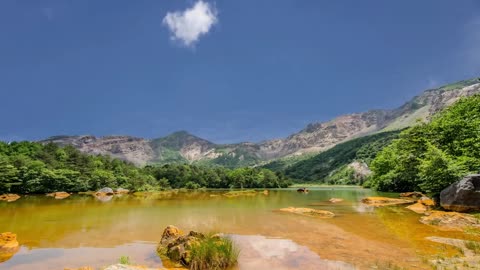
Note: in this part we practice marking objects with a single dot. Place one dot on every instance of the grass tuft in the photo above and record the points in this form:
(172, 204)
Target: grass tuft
(213, 253)
(124, 260)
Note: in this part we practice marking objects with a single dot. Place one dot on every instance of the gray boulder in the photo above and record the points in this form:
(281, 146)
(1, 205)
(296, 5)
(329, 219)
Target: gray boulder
(106, 190)
(462, 196)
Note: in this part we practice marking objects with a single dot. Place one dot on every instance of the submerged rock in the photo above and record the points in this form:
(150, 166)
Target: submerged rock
(59, 195)
(413, 194)
(384, 201)
(265, 192)
(450, 220)
(308, 212)
(9, 197)
(462, 196)
(335, 200)
(8, 246)
(422, 206)
(418, 208)
(122, 191)
(302, 190)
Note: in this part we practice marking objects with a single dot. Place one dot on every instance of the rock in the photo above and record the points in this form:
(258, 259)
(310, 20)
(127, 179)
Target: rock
(418, 208)
(106, 191)
(9, 197)
(59, 195)
(8, 246)
(102, 197)
(335, 200)
(423, 205)
(414, 194)
(309, 212)
(170, 233)
(127, 267)
(177, 246)
(122, 191)
(426, 201)
(265, 192)
(462, 196)
(450, 220)
(384, 201)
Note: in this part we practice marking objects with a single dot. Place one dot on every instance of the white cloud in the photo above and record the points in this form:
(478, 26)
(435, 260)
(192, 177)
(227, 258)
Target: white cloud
(189, 25)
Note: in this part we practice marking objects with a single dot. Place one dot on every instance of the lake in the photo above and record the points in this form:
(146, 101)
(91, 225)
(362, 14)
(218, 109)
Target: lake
(84, 231)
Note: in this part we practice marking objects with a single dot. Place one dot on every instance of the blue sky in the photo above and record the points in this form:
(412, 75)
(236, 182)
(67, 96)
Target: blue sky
(224, 70)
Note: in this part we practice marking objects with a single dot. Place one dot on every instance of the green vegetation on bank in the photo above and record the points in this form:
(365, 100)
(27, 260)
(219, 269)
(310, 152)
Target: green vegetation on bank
(28, 167)
(213, 253)
(429, 157)
(331, 165)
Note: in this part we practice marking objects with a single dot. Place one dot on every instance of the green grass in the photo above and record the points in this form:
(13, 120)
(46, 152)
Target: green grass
(214, 253)
(124, 260)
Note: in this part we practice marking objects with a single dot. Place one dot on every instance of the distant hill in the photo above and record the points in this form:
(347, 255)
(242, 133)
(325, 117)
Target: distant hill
(182, 146)
(322, 167)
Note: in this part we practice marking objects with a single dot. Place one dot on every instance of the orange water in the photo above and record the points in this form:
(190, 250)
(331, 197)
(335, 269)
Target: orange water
(82, 230)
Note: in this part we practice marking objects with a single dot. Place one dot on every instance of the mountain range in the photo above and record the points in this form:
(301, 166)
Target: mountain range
(182, 146)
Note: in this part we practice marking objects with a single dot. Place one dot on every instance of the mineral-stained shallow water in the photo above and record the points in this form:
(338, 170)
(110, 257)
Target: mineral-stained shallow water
(81, 230)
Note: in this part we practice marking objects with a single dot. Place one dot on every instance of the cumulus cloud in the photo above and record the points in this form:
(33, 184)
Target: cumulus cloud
(189, 25)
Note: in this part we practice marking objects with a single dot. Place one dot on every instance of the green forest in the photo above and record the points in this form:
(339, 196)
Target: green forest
(29, 167)
(328, 166)
(430, 156)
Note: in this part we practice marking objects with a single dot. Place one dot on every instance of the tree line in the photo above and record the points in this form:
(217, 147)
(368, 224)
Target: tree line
(430, 156)
(30, 167)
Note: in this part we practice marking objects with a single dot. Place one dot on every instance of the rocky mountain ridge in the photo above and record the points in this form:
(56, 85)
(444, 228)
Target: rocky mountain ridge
(315, 137)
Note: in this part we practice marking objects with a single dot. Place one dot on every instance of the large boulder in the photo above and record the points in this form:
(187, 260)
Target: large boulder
(462, 196)
(8, 245)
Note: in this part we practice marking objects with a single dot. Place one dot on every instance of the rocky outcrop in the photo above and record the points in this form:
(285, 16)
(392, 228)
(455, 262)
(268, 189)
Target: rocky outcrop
(384, 201)
(177, 246)
(59, 195)
(308, 212)
(9, 197)
(462, 196)
(8, 245)
(450, 220)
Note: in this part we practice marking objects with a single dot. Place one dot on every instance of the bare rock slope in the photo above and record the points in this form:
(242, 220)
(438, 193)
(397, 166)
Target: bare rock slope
(184, 147)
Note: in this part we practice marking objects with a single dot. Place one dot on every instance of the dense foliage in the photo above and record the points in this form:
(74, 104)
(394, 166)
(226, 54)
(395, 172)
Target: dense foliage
(191, 176)
(429, 157)
(322, 166)
(27, 167)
